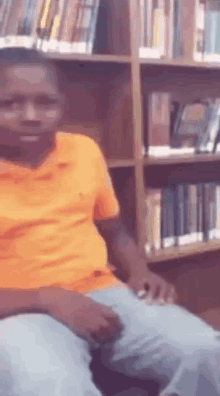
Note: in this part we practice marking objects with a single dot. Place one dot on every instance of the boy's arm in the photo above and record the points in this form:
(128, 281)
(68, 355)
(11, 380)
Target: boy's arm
(19, 301)
(131, 268)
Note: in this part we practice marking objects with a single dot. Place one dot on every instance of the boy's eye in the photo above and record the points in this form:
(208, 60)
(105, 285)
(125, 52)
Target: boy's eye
(45, 101)
(8, 103)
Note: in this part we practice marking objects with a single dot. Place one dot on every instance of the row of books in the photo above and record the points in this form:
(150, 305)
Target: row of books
(175, 128)
(49, 25)
(180, 215)
(164, 25)
(207, 31)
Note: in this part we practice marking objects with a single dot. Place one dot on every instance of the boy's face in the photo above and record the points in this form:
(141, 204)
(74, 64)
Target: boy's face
(30, 104)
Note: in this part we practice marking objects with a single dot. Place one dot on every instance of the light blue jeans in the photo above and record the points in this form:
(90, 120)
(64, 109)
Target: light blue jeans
(41, 357)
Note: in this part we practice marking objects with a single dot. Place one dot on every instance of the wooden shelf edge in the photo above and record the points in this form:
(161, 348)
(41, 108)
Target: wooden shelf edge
(120, 163)
(180, 63)
(89, 58)
(184, 251)
(180, 159)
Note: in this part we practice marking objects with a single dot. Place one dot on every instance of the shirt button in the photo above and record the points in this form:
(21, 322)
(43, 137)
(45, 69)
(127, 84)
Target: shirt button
(97, 273)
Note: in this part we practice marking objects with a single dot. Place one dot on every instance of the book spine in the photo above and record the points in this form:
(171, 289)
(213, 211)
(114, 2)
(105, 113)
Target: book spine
(206, 210)
(212, 211)
(189, 214)
(158, 36)
(200, 31)
(217, 200)
(177, 28)
(142, 22)
(167, 218)
(179, 215)
(156, 218)
(193, 212)
(169, 28)
(159, 124)
(148, 224)
(199, 227)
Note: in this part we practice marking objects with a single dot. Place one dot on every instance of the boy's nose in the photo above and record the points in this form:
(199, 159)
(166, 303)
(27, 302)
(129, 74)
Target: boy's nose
(30, 112)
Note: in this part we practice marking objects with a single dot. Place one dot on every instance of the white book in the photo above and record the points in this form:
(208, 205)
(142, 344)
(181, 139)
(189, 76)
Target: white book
(217, 194)
(200, 26)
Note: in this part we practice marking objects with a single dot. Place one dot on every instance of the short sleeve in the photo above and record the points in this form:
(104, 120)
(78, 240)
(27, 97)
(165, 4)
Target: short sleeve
(106, 205)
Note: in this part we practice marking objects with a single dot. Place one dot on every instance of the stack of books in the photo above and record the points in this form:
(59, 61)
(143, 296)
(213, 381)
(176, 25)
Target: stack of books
(66, 26)
(164, 25)
(180, 215)
(177, 129)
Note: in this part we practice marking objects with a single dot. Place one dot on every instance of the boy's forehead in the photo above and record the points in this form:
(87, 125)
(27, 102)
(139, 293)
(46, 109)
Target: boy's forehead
(34, 74)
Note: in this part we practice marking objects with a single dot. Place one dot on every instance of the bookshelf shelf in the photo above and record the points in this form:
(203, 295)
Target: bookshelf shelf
(184, 251)
(120, 163)
(179, 63)
(89, 58)
(184, 159)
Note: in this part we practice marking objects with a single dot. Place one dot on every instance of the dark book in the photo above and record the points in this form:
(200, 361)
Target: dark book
(179, 216)
(167, 218)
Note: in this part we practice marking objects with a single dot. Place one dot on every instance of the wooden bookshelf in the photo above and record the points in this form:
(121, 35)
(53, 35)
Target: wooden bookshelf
(89, 58)
(184, 251)
(181, 159)
(106, 91)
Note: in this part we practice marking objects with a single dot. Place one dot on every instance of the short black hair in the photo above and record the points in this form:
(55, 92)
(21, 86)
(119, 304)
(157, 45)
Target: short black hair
(25, 56)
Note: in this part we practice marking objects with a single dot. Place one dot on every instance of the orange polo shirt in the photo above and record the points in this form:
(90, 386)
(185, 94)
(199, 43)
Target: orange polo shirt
(47, 231)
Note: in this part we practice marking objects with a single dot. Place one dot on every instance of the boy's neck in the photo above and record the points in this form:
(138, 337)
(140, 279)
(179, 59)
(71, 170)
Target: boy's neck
(32, 157)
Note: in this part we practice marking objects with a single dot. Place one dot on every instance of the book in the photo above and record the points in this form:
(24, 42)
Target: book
(179, 218)
(177, 26)
(217, 200)
(191, 127)
(78, 30)
(159, 27)
(206, 211)
(153, 28)
(212, 211)
(212, 20)
(156, 201)
(169, 31)
(200, 31)
(167, 218)
(153, 220)
(207, 139)
(148, 224)
(199, 228)
(190, 214)
(50, 25)
(158, 124)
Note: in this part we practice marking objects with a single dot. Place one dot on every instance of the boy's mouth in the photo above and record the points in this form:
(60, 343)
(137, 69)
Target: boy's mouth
(33, 138)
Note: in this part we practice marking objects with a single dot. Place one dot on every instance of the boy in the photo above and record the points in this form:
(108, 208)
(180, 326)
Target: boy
(58, 300)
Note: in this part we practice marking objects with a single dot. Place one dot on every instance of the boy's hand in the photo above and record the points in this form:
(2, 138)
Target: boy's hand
(82, 315)
(152, 288)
